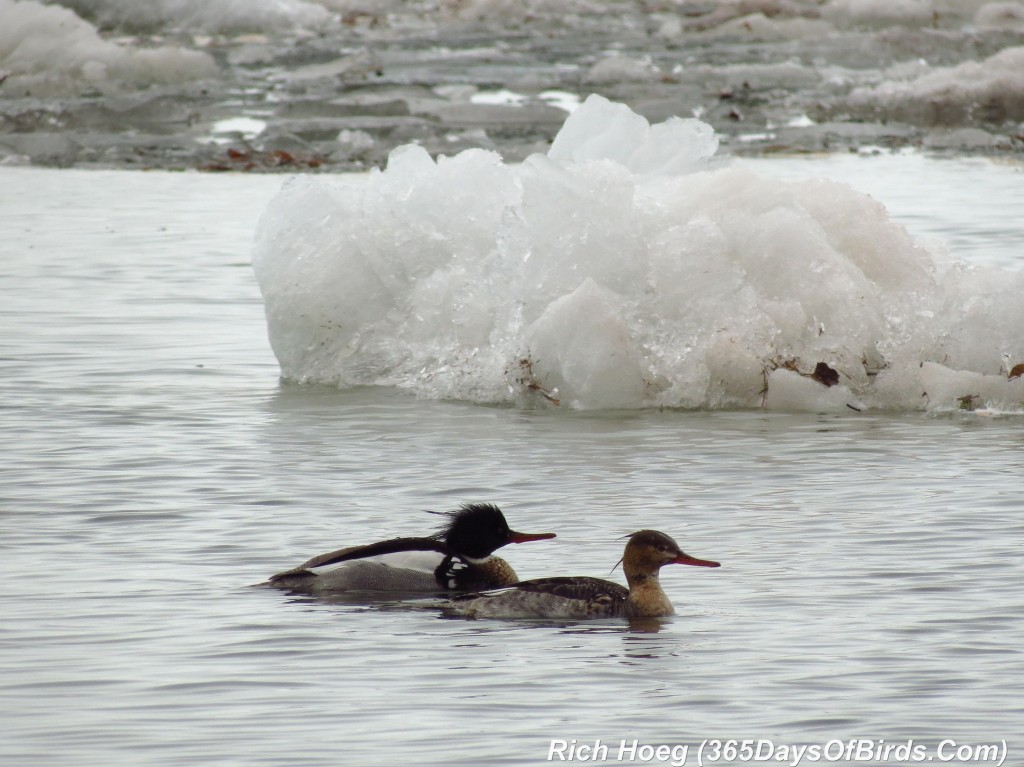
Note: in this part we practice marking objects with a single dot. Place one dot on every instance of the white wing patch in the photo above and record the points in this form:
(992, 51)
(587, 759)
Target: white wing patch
(454, 569)
(498, 592)
(420, 561)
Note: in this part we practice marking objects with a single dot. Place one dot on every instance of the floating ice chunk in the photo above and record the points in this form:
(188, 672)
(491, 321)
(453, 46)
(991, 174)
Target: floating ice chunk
(493, 10)
(502, 96)
(599, 130)
(623, 271)
(355, 140)
(352, 67)
(1000, 16)
(878, 13)
(162, 66)
(596, 201)
(564, 100)
(991, 91)
(581, 345)
(757, 26)
(520, 12)
(755, 18)
(348, 272)
(788, 390)
(603, 130)
(986, 318)
(212, 16)
(318, 307)
(48, 50)
(670, 26)
(246, 127)
(622, 69)
(947, 389)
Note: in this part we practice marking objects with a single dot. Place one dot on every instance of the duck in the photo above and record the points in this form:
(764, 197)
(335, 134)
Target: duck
(584, 597)
(458, 558)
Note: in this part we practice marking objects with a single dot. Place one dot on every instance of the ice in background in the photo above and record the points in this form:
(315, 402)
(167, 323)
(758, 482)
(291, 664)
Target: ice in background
(208, 16)
(627, 268)
(338, 84)
(48, 50)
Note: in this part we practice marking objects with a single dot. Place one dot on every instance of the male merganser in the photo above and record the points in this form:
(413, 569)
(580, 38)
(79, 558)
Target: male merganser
(458, 558)
(584, 597)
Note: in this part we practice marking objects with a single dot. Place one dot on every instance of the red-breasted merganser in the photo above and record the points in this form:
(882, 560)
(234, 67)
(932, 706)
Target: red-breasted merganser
(458, 558)
(584, 597)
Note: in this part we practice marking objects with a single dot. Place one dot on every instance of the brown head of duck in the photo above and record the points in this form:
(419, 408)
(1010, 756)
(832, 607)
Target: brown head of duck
(647, 551)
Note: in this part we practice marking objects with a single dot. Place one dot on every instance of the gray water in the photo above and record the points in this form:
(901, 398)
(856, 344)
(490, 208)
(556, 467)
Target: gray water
(153, 467)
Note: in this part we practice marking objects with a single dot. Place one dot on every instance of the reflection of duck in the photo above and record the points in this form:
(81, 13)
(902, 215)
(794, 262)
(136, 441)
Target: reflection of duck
(459, 558)
(583, 597)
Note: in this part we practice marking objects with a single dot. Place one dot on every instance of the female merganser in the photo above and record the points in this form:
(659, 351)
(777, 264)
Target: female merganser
(458, 558)
(584, 597)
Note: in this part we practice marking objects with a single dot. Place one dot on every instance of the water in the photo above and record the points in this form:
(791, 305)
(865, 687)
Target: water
(154, 467)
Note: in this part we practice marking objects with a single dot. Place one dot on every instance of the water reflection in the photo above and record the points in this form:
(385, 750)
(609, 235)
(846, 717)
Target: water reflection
(646, 625)
(389, 601)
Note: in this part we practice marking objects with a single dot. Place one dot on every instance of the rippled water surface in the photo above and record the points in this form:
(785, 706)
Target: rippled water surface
(154, 467)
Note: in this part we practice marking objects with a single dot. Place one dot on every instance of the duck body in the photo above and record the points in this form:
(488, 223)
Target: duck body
(584, 597)
(459, 558)
(575, 597)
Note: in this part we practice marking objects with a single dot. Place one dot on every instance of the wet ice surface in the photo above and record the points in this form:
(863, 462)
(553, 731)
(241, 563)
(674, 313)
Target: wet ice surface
(338, 84)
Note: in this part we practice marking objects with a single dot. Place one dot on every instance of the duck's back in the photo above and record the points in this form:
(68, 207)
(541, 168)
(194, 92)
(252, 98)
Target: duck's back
(558, 597)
